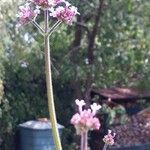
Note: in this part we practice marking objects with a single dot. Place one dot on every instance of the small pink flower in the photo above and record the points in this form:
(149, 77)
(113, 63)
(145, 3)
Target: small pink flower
(95, 107)
(26, 14)
(85, 120)
(93, 123)
(46, 3)
(65, 14)
(109, 138)
(96, 123)
(80, 104)
(75, 119)
(85, 115)
(58, 1)
(41, 3)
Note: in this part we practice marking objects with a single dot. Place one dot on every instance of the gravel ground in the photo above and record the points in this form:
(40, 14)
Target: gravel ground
(135, 132)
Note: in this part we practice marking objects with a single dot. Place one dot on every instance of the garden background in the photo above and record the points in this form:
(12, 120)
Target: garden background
(108, 46)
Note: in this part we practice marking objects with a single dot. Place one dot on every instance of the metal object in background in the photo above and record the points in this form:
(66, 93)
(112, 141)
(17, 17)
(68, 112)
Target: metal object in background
(37, 135)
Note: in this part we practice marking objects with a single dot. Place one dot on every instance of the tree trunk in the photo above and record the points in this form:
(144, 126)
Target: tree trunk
(90, 50)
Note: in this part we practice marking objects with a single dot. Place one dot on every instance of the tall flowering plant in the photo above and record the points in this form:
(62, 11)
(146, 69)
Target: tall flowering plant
(85, 120)
(61, 11)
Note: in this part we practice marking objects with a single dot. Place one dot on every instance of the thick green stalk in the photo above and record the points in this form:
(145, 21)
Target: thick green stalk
(84, 140)
(105, 147)
(51, 105)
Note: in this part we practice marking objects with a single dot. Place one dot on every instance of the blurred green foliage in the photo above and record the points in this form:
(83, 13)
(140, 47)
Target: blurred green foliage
(121, 58)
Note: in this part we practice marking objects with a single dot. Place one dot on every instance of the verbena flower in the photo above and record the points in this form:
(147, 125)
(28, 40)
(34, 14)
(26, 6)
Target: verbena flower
(109, 138)
(26, 14)
(58, 1)
(85, 120)
(46, 3)
(64, 13)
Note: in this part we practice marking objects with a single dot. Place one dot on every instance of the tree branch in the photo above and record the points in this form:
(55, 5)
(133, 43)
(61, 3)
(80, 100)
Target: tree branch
(90, 49)
(83, 26)
(93, 34)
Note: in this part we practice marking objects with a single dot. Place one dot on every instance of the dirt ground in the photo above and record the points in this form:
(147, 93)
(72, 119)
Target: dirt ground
(135, 132)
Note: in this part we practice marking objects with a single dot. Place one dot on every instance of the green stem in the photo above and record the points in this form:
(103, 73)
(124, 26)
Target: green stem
(84, 140)
(37, 26)
(105, 147)
(51, 105)
(52, 29)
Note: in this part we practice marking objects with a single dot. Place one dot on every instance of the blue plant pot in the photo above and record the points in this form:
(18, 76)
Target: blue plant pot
(37, 135)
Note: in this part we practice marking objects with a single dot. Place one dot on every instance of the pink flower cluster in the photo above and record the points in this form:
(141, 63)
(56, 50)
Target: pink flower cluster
(46, 3)
(26, 13)
(109, 138)
(65, 14)
(85, 120)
